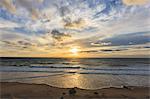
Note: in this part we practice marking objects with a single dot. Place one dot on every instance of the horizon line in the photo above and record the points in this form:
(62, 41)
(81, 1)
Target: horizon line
(77, 57)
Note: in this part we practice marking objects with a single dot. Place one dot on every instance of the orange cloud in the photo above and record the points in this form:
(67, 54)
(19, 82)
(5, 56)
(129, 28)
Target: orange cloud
(135, 2)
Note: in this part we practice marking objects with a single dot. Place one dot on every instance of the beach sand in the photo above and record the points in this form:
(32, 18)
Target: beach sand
(14, 90)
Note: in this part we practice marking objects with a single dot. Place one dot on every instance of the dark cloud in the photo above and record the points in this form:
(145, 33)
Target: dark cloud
(25, 47)
(137, 38)
(103, 50)
(64, 10)
(8, 42)
(113, 50)
(59, 36)
(18, 44)
(76, 24)
(127, 39)
(141, 47)
(25, 43)
(90, 51)
(67, 20)
(146, 47)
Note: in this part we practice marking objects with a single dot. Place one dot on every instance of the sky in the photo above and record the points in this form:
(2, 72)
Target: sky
(74, 28)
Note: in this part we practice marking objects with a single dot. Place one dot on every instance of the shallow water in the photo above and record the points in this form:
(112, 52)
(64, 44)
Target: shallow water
(83, 73)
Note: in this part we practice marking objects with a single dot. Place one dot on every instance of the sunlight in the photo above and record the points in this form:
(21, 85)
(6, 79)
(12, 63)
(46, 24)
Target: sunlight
(74, 50)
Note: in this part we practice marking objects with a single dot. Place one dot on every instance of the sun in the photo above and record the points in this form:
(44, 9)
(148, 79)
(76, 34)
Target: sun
(74, 50)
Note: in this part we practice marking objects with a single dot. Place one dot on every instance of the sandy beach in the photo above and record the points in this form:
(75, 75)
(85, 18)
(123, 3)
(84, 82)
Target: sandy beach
(14, 90)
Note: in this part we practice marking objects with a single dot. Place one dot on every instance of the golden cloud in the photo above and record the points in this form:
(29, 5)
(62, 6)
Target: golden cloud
(135, 2)
(8, 5)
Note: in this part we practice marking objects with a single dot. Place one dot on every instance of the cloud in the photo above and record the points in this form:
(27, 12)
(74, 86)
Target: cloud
(4, 35)
(113, 50)
(8, 5)
(142, 47)
(101, 44)
(30, 6)
(78, 24)
(59, 37)
(91, 24)
(135, 2)
(13, 40)
(89, 51)
(8, 42)
(103, 50)
(126, 39)
(26, 43)
(34, 14)
(16, 41)
(8, 24)
(146, 47)
(64, 10)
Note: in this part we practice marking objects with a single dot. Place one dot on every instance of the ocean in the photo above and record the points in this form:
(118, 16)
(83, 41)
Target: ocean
(85, 73)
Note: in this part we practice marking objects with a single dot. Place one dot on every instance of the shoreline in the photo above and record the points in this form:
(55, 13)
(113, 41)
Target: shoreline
(15, 90)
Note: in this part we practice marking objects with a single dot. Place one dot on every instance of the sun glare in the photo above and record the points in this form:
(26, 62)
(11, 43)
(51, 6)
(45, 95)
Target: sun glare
(74, 50)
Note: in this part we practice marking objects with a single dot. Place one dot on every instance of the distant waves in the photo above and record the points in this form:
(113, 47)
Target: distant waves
(77, 69)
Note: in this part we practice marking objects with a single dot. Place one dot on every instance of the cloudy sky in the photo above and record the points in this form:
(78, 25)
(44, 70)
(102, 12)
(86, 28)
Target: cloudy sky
(75, 28)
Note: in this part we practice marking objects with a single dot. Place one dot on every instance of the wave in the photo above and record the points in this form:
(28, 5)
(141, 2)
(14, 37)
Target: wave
(142, 73)
(88, 68)
(79, 69)
(60, 67)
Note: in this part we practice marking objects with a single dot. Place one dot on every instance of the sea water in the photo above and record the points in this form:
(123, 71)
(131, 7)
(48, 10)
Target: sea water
(85, 73)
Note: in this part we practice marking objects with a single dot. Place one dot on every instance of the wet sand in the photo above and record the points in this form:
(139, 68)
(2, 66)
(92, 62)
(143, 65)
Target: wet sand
(14, 90)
